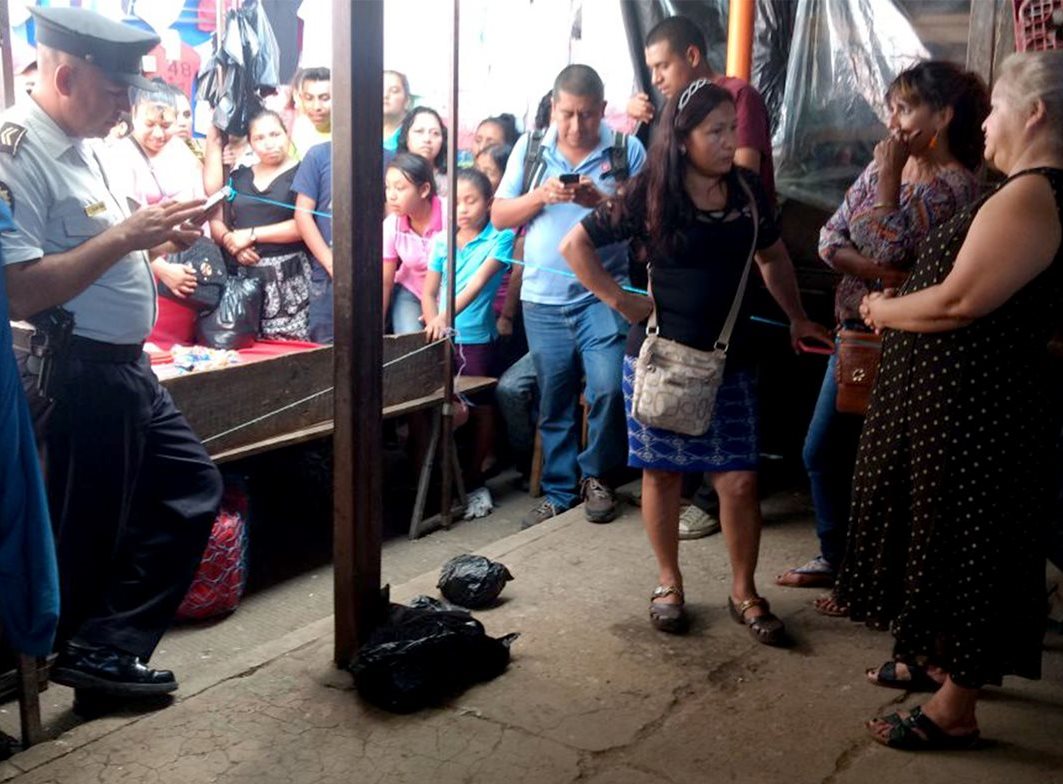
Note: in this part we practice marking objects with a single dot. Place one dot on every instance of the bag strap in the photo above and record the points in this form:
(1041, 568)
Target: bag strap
(736, 306)
(533, 159)
(618, 157)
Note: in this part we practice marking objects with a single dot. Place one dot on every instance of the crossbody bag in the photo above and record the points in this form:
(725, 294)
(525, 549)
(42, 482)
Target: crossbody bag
(675, 385)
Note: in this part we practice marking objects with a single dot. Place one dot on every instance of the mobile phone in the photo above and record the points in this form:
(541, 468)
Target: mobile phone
(569, 179)
(212, 203)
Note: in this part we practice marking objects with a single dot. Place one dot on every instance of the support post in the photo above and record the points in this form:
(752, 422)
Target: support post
(448, 462)
(740, 38)
(357, 73)
(6, 57)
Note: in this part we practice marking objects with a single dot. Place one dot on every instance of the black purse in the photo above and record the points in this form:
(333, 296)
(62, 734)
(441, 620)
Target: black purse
(205, 259)
(234, 324)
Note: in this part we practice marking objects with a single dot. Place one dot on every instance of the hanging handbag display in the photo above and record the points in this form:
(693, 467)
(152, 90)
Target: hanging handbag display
(859, 354)
(675, 385)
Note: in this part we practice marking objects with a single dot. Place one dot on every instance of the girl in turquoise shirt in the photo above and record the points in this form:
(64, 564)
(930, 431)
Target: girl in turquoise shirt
(478, 273)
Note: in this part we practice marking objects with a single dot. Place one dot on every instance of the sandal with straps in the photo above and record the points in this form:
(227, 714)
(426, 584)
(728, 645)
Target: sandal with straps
(917, 732)
(765, 628)
(669, 618)
(918, 677)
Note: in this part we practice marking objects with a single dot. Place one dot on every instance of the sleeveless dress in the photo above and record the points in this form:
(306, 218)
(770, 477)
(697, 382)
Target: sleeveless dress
(954, 482)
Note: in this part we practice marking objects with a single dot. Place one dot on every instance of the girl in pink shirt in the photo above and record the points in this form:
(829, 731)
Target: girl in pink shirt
(416, 216)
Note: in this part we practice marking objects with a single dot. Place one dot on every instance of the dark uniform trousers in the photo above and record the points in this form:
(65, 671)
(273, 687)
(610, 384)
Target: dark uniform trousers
(133, 496)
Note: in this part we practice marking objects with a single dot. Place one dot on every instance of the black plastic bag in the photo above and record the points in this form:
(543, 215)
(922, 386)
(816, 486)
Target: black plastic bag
(234, 323)
(472, 580)
(424, 602)
(421, 657)
(206, 261)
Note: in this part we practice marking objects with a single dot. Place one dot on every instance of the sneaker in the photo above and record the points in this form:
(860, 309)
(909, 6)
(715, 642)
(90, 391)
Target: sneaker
(695, 523)
(478, 503)
(599, 502)
(544, 511)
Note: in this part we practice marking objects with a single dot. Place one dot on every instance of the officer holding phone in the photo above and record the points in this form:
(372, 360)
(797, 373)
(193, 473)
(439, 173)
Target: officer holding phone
(132, 492)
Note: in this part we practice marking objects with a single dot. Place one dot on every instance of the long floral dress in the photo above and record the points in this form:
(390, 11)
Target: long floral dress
(954, 479)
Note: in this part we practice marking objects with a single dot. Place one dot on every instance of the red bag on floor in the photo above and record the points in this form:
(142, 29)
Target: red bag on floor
(222, 574)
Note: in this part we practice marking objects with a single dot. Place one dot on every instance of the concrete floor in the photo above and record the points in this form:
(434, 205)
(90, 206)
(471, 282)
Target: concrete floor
(593, 694)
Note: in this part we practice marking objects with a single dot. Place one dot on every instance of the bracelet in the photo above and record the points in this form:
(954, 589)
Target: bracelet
(504, 316)
(885, 205)
(252, 234)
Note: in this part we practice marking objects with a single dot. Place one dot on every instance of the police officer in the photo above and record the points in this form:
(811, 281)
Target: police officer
(133, 493)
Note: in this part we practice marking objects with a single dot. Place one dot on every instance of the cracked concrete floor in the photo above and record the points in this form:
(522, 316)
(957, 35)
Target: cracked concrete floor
(593, 694)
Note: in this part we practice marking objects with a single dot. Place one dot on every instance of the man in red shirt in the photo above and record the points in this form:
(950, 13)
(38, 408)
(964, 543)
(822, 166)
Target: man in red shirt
(675, 55)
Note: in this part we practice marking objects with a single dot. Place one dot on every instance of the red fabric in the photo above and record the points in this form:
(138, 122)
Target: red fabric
(180, 73)
(176, 324)
(754, 130)
(219, 582)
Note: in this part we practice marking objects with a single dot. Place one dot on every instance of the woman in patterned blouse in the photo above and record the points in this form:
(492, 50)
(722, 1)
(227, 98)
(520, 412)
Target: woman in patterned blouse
(921, 175)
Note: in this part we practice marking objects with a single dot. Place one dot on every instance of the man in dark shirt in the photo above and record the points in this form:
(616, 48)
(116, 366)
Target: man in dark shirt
(675, 55)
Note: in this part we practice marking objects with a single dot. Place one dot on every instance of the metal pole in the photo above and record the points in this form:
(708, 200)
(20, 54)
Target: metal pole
(357, 74)
(6, 57)
(448, 467)
(740, 38)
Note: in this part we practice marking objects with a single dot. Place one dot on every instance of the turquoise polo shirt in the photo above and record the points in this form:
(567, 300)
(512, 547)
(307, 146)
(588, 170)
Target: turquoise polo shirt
(475, 324)
(547, 279)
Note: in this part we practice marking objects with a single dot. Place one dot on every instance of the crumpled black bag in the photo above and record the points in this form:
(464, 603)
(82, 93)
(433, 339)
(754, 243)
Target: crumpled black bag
(421, 657)
(472, 580)
(424, 602)
(235, 322)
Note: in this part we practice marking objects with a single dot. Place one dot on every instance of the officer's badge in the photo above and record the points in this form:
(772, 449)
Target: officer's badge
(11, 136)
(7, 196)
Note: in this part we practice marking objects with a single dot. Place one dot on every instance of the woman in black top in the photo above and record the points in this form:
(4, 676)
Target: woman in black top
(261, 234)
(691, 213)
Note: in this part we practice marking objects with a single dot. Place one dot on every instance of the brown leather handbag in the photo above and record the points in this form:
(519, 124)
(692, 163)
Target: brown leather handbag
(859, 354)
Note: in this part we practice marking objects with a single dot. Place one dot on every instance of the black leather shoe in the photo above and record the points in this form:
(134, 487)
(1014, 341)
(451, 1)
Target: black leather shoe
(109, 671)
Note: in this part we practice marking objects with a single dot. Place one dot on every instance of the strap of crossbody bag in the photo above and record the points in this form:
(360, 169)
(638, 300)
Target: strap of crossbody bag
(732, 317)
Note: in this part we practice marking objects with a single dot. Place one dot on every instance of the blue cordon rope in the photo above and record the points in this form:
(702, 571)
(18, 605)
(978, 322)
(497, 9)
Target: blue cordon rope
(508, 262)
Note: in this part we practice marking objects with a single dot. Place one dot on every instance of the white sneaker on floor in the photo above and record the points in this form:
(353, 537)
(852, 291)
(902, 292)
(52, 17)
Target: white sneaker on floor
(478, 503)
(694, 523)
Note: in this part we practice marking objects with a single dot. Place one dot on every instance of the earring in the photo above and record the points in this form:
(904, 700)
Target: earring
(933, 144)
(682, 150)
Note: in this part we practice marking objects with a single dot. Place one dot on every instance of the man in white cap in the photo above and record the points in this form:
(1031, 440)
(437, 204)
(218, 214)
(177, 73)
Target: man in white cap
(132, 492)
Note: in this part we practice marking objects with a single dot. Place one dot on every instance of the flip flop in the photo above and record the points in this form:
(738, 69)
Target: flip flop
(917, 732)
(817, 573)
(918, 678)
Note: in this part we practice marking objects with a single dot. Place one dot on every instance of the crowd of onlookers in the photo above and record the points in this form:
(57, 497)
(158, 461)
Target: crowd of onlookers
(933, 506)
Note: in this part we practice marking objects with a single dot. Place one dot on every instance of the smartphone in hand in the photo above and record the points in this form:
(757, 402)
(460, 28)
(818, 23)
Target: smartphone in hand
(212, 204)
(569, 179)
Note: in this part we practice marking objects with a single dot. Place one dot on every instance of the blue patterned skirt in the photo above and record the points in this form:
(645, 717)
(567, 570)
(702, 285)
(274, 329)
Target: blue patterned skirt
(731, 443)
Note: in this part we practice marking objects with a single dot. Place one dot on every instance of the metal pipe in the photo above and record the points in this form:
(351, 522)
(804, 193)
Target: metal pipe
(6, 57)
(740, 38)
(447, 435)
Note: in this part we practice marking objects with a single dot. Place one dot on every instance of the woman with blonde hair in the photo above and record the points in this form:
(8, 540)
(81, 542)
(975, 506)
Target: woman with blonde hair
(954, 481)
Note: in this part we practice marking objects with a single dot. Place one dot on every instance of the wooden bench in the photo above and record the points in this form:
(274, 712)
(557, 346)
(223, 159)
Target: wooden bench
(26, 682)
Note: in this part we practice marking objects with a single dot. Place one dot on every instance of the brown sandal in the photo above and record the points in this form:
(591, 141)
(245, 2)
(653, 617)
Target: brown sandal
(669, 618)
(764, 628)
(828, 605)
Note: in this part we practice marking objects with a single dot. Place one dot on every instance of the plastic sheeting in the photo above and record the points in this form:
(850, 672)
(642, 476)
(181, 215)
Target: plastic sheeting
(843, 56)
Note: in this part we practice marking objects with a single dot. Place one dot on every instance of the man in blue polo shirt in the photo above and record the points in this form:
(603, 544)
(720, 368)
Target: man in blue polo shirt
(572, 336)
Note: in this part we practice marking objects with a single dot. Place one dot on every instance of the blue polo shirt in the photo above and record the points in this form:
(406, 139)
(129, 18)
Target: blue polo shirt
(476, 324)
(547, 280)
(314, 180)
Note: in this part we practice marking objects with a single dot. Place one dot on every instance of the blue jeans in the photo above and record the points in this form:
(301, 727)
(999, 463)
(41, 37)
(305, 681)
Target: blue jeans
(570, 343)
(404, 313)
(516, 393)
(830, 457)
(321, 330)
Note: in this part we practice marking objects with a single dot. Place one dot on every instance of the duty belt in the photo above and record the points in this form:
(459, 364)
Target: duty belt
(89, 350)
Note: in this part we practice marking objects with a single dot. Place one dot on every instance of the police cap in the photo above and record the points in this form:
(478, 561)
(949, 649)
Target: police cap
(114, 47)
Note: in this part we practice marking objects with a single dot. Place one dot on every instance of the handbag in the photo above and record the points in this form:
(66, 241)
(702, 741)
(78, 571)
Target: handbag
(675, 385)
(206, 261)
(859, 354)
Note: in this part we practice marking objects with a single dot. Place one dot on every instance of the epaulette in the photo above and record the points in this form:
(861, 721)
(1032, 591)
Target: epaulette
(11, 135)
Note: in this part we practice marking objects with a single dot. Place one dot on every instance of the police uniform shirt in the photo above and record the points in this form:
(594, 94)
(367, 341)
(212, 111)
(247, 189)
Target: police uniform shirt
(59, 198)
